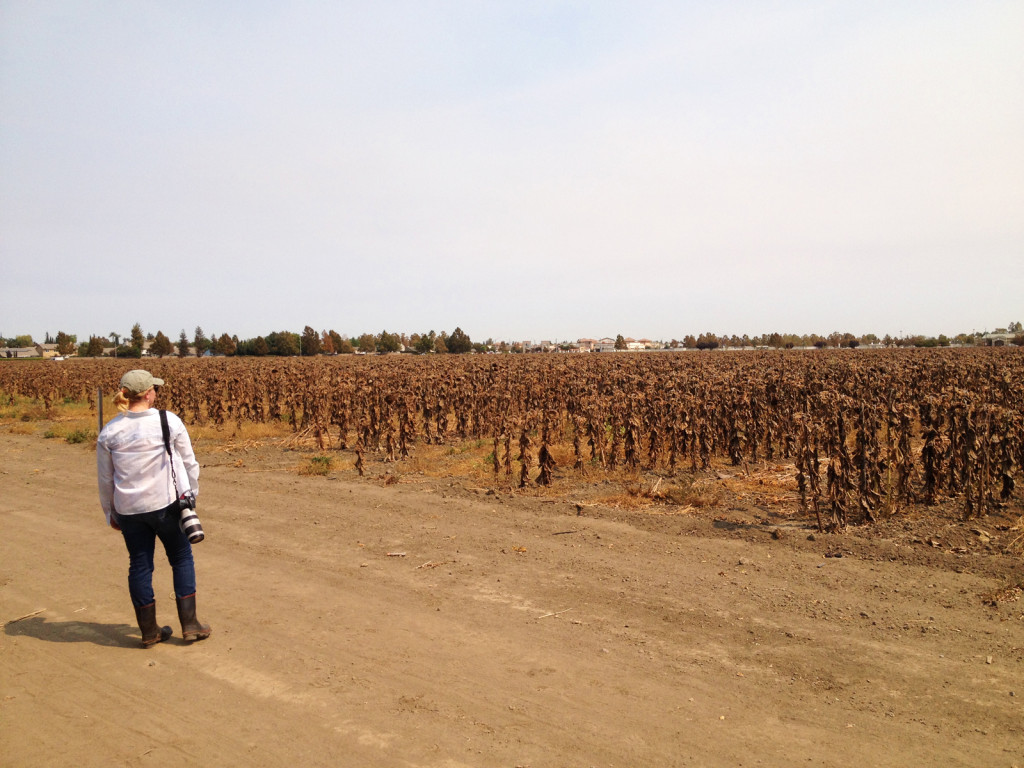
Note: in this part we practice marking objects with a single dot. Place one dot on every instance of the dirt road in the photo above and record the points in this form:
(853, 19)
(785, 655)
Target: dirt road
(419, 624)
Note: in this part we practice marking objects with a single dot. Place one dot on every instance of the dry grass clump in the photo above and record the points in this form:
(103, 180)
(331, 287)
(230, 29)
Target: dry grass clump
(33, 413)
(471, 460)
(697, 494)
(70, 434)
(67, 420)
(685, 493)
(772, 484)
(319, 465)
(251, 435)
(1017, 544)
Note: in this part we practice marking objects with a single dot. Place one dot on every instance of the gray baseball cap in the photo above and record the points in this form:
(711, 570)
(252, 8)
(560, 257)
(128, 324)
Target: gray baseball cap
(138, 381)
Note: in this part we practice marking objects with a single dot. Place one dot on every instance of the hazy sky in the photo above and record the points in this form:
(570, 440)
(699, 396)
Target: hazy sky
(521, 169)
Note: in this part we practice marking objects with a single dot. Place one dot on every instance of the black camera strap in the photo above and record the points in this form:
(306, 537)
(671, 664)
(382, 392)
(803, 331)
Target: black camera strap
(166, 429)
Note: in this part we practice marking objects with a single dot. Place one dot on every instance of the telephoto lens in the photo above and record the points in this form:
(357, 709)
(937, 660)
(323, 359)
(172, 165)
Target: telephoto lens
(191, 526)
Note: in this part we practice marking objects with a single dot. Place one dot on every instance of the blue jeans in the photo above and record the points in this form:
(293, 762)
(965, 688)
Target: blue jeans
(140, 533)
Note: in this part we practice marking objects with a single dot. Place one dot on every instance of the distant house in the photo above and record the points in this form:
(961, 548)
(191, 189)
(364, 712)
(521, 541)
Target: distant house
(586, 345)
(998, 339)
(13, 352)
(46, 351)
(540, 346)
(635, 345)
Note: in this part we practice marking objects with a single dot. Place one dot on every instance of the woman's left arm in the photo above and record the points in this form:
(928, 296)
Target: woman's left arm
(183, 447)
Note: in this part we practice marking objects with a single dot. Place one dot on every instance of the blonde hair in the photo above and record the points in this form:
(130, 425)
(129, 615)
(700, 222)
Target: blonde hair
(124, 402)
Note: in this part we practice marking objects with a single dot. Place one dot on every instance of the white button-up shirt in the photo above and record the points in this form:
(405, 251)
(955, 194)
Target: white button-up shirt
(133, 467)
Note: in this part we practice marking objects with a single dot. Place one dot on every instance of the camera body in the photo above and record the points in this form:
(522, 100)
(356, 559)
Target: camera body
(190, 524)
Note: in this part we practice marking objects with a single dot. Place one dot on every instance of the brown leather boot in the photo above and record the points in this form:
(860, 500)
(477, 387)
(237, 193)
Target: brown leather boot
(191, 629)
(152, 633)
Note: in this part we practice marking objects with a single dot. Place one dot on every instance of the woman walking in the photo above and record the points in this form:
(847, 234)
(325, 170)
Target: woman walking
(137, 492)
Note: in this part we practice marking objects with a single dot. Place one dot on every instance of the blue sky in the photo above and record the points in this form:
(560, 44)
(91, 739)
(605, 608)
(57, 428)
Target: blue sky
(518, 169)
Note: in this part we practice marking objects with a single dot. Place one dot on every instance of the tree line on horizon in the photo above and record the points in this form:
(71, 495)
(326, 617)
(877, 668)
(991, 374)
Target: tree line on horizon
(329, 342)
(837, 340)
(279, 343)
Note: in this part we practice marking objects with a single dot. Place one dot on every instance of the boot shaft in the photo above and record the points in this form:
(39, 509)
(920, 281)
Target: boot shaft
(191, 628)
(151, 631)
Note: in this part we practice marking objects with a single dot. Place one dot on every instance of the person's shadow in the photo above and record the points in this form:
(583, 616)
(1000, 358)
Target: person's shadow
(117, 635)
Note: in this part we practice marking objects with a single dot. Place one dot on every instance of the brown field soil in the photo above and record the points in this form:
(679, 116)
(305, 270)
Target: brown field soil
(417, 620)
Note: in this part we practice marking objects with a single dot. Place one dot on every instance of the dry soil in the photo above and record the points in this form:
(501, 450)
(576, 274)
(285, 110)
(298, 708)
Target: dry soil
(422, 623)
